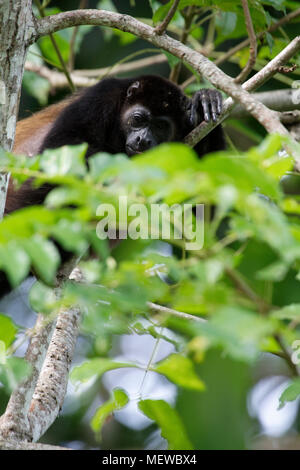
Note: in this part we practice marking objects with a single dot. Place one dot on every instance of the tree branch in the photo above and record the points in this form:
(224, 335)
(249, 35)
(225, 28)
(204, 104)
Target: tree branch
(56, 48)
(14, 423)
(51, 386)
(15, 445)
(201, 64)
(278, 100)
(59, 80)
(85, 78)
(286, 19)
(253, 45)
(52, 383)
(225, 56)
(160, 29)
(22, 420)
(254, 82)
(176, 313)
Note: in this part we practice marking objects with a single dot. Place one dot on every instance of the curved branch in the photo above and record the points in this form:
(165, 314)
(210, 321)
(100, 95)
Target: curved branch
(269, 119)
(254, 82)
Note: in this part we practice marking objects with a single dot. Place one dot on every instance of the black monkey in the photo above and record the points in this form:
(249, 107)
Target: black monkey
(133, 115)
(116, 115)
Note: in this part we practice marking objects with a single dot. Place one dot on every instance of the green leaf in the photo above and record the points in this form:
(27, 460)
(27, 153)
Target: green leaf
(240, 172)
(8, 330)
(226, 21)
(291, 393)
(170, 158)
(69, 159)
(42, 298)
(289, 312)
(118, 400)
(238, 331)
(37, 86)
(180, 370)
(15, 262)
(70, 235)
(172, 60)
(44, 256)
(169, 422)
(62, 39)
(95, 368)
(14, 371)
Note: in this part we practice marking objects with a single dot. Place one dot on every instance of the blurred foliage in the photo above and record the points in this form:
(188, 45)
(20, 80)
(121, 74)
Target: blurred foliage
(242, 284)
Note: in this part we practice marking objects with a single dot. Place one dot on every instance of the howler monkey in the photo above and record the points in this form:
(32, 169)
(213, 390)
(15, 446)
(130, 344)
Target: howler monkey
(116, 115)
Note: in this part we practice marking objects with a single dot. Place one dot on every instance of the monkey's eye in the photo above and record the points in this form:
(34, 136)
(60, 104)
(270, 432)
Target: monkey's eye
(137, 120)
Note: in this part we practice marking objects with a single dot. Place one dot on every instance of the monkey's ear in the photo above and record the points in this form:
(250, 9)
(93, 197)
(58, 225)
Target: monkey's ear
(133, 88)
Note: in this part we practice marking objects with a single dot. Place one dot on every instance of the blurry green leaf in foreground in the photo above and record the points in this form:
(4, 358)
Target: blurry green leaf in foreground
(291, 393)
(69, 159)
(118, 400)
(180, 370)
(238, 331)
(94, 368)
(289, 312)
(14, 371)
(8, 330)
(42, 298)
(168, 421)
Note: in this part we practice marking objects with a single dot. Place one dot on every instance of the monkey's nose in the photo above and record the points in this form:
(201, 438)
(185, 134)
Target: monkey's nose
(144, 143)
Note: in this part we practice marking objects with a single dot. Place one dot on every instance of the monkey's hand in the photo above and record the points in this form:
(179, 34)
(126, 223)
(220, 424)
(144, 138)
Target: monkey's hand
(206, 105)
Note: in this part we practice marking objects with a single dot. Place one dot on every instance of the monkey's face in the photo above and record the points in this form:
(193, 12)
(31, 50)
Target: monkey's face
(143, 130)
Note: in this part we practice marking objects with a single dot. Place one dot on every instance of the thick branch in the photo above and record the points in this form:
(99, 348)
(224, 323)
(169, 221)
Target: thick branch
(15, 445)
(278, 100)
(58, 79)
(18, 423)
(254, 82)
(52, 383)
(14, 423)
(201, 64)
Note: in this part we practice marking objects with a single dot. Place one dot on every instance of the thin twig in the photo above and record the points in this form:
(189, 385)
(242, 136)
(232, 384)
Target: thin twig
(253, 44)
(82, 4)
(56, 48)
(287, 354)
(291, 16)
(176, 313)
(160, 29)
(188, 19)
(244, 287)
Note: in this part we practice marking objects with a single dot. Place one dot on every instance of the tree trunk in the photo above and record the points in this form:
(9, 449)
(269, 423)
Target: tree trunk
(16, 22)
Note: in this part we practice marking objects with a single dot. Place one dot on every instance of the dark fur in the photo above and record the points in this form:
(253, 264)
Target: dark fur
(94, 116)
